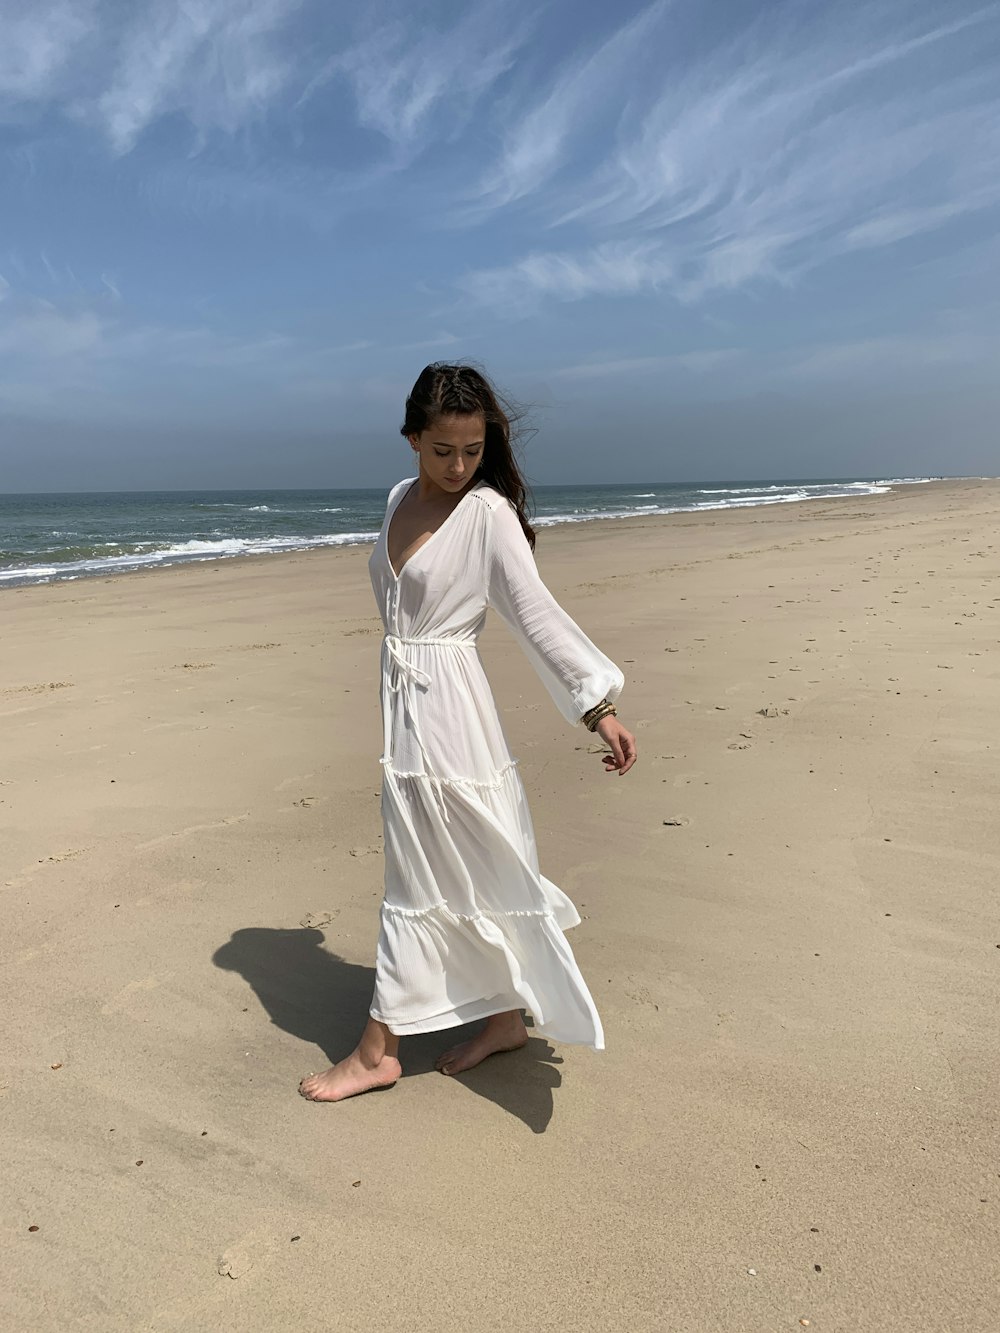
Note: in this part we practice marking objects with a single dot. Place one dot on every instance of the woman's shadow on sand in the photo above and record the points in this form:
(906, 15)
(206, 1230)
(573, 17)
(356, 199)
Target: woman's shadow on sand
(322, 999)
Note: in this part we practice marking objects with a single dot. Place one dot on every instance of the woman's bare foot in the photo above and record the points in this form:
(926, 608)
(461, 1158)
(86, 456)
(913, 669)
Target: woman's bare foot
(503, 1032)
(350, 1077)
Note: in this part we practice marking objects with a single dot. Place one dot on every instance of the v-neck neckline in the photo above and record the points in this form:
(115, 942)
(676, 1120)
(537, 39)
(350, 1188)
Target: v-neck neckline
(388, 558)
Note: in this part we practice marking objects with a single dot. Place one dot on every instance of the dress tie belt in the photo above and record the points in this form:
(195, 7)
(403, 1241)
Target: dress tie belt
(400, 678)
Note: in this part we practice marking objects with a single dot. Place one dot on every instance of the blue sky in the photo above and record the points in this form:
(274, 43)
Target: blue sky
(733, 239)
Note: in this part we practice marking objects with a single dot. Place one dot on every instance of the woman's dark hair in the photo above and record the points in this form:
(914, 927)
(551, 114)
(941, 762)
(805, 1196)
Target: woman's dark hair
(444, 390)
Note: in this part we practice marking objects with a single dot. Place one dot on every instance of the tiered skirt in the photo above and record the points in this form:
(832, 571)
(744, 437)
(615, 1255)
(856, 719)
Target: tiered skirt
(469, 927)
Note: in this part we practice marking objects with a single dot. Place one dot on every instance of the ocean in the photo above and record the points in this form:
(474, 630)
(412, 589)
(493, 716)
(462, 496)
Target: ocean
(49, 538)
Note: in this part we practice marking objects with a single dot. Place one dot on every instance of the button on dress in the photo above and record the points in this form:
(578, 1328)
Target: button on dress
(468, 924)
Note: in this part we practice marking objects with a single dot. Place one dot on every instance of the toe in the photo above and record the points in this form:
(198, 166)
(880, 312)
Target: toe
(457, 1064)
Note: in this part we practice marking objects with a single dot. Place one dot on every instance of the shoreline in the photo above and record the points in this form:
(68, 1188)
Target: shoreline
(630, 523)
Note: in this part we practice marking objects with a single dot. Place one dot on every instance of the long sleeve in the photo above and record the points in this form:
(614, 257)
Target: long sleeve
(574, 671)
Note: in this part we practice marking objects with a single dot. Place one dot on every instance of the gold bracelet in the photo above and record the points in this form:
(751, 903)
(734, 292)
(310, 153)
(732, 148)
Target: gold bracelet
(591, 711)
(604, 703)
(609, 710)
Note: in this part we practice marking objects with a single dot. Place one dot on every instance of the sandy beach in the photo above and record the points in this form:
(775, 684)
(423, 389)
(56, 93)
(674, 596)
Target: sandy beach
(790, 929)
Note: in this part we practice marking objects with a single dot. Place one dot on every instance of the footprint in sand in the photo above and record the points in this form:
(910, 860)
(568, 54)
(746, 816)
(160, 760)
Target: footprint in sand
(234, 1263)
(316, 920)
(291, 781)
(128, 993)
(192, 828)
(680, 993)
(641, 994)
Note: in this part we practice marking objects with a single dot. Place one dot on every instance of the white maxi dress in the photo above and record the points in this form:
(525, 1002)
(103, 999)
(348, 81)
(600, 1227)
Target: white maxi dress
(468, 925)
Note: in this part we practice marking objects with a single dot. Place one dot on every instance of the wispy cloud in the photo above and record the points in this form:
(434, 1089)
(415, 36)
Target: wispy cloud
(216, 61)
(37, 48)
(406, 73)
(611, 269)
(440, 340)
(760, 158)
(537, 143)
(396, 169)
(899, 354)
(690, 363)
(219, 63)
(40, 332)
(90, 350)
(223, 65)
(88, 347)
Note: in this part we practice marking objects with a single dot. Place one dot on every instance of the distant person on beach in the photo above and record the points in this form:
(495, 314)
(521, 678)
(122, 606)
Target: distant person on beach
(470, 929)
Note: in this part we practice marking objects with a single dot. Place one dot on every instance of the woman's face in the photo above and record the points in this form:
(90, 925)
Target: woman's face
(450, 450)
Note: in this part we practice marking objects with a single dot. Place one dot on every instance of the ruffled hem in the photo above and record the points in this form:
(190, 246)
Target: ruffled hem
(483, 784)
(469, 916)
(438, 968)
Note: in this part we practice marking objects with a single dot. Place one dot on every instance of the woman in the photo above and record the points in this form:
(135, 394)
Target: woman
(469, 927)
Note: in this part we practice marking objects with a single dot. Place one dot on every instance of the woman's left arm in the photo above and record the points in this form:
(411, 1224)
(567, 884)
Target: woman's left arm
(573, 669)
